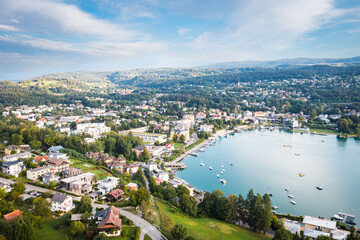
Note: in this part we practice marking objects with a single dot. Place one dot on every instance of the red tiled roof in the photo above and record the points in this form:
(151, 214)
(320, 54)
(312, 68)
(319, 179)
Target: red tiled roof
(13, 215)
(41, 158)
(112, 220)
(116, 193)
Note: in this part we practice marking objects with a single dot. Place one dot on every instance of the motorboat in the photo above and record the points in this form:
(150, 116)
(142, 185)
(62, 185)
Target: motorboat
(319, 188)
(218, 175)
(275, 207)
(223, 181)
(270, 194)
(291, 196)
(286, 189)
(301, 174)
(231, 164)
(221, 172)
(292, 202)
(211, 168)
(202, 164)
(336, 217)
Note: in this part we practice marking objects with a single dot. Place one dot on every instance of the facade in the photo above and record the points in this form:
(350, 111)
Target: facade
(108, 184)
(80, 184)
(72, 172)
(50, 177)
(61, 202)
(58, 164)
(11, 148)
(132, 186)
(313, 227)
(36, 173)
(115, 195)
(147, 137)
(13, 168)
(17, 156)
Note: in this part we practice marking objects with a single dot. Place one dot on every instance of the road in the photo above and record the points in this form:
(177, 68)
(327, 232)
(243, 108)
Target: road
(146, 227)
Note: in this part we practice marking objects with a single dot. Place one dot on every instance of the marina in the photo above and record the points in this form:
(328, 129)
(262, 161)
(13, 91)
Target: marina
(314, 172)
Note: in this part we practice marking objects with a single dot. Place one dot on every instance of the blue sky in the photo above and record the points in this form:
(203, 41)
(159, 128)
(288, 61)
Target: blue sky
(42, 36)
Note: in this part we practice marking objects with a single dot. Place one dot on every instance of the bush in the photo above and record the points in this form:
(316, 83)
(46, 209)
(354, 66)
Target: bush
(124, 232)
(137, 233)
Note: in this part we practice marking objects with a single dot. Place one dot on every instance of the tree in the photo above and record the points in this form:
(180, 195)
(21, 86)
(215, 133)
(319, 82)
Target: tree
(42, 207)
(85, 204)
(144, 155)
(35, 144)
(136, 197)
(18, 189)
(179, 232)
(188, 204)
(73, 125)
(266, 215)
(232, 206)
(322, 237)
(86, 216)
(16, 139)
(343, 126)
(52, 185)
(182, 138)
(353, 234)
(101, 236)
(3, 193)
(77, 228)
(175, 138)
(22, 229)
(283, 234)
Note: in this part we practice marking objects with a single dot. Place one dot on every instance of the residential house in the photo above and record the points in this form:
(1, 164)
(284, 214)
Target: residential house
(115, 195)
(55, 155)
(55, 149)
(13, 168)
(6, 186)
(132, 186)
(61, 202)
(36, 173)
(40, 159)
(71, 172)
(156, 151)
(138, 150)
(109, 221)
(9, 149)
(314, 227)
(293, 226)
(147, 137)
(58, 164)
(50, 177)
(206, 128)
(80, 184)
(107, 185)
(132, 168)
(17, 156)
(152, 165)
(25, 147)
(12, 216)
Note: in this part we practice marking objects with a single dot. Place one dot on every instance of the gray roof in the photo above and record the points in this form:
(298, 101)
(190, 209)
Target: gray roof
(59, 197)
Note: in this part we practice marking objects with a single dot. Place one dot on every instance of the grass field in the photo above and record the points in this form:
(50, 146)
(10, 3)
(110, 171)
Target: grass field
(326, 131)
(205, 228)
(54, 229)
(130, 235)
(101, 174)
(179, 145)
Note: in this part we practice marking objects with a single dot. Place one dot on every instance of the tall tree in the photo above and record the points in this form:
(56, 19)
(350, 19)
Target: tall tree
(179, 232)
(232, 207)
(22, 229)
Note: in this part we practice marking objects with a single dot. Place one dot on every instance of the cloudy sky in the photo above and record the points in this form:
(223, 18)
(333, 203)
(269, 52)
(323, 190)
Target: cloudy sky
(42, 36)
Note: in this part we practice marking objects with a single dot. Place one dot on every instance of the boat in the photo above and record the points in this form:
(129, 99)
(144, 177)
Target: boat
(275, 207)
(221, 172)
(270, 194)
(336, 217)
(218, 175)
(222, 164)
(223, 169)
(194, 154)
(322, 141)
(286, 189)
(319, 188)
(202, 164)
(291, 196)
(231, 164)
(223, 181)
(292, 202)
(211, 168)
(201, 150)
(301, 174)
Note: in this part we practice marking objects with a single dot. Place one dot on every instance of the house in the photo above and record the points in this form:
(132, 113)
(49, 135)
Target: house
(17, 156)
(110, 221)
(163, 175)
(132, 186)
(147, 137)
(117, 164)
(156, 151)
(293, 226)
(9, 149)
(108, 184)
(61, 202)
(12, 216)
(25, 147)
(36, 173)
(206, 128)
(138, 150)
(50, 177)
(200, 197)
(71, 172)
(152, 165)
(55, 149)
(314, 227)
(80, 184)
(115, 195)
(58, 164)
(40, 159)
(57, 156)
(158, 181)
(132, 168)
(13, 168)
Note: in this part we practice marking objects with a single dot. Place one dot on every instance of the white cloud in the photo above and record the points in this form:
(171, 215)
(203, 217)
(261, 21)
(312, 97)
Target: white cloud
(8, 28)
(182, 31)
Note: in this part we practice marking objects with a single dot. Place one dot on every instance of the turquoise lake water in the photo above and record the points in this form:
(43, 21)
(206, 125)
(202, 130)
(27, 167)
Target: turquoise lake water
(263, 163)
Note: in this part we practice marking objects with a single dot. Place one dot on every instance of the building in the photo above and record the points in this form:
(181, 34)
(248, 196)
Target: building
(147, 137)
(93, 129)
(293, 226)
(206, 128)
(107, 185)
(156, 151)
(36, 173)
(40, 159)
(58, 164)
(314, 227)
(132, 186)
(6, 186)
(152, 165)
(71, 172)
(115, 195)
(13, 168)
(56, 155)
(55, 149)
(17, 156)
(12, 216)
(109, 221)
(61, 202)
(132, 168)
(50, 177)
(9, 149)
(80, 184)
(25, 147)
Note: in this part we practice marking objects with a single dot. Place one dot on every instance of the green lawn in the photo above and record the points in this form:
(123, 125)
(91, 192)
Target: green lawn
(179, 145)
(101, 174)
(205, 228)
(130, 235)
(326, 131)
(54, 229)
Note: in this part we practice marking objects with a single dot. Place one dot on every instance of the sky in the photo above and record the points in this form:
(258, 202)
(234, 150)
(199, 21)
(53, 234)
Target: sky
(44, 36)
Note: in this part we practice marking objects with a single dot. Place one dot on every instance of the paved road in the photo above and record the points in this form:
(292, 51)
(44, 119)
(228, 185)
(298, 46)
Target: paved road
(146, 227)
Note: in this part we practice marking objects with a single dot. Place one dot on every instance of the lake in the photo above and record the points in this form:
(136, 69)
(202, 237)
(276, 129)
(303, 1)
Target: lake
(263, 163)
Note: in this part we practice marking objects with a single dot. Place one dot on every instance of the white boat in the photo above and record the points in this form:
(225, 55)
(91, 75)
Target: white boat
(218, 175)
(223, 169)
(337, 217)
(275, 207)
(221, 172)
(319, 188)
(292, 202)
(202, 164)
(286, 189)
(211, 168)
(231, 164)
(291, 196)
(223, 181)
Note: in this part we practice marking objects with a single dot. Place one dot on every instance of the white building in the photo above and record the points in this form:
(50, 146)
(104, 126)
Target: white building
(35, 173)
(50, 177)
(206, 128)
(13, 168)
(16, 156)
(57, 156)
(93, 129)
(147, 137)
(61, 202)
(107, 185)
(6, 186)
